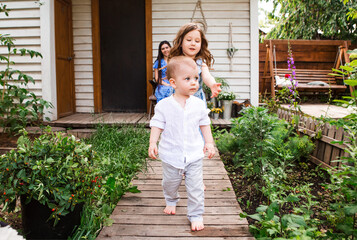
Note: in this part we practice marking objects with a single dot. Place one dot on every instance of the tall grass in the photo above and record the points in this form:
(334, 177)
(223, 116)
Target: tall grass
(123, 152)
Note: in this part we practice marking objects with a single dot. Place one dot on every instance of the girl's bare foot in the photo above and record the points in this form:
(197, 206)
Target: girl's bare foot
(171, 210)
(197, 226)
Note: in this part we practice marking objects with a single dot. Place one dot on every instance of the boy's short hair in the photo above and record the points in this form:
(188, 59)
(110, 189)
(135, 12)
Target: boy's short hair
(174, 65)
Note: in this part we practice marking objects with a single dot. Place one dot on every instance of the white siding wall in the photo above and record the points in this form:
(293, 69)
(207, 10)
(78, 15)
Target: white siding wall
(169, 15)
(23, 24)
(83, 62)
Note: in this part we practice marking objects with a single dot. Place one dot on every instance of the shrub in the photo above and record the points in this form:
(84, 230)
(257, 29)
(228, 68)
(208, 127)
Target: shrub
(259, 139)
(123, 152)
(56, 170)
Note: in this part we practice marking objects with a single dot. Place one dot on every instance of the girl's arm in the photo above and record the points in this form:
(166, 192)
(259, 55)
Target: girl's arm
(156, 74)
(208, 79)
(209, 142)
(154, 137)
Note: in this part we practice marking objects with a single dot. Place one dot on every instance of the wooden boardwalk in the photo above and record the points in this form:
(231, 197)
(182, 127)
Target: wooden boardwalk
(140, 215)
(88, 120)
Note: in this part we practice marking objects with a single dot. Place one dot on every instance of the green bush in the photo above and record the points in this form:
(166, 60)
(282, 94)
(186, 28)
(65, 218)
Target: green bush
(260, 139)
(123, 152)
(18, 105)
(56, 170)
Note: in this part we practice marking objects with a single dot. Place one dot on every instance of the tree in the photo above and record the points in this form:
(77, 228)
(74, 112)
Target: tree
(314, 19)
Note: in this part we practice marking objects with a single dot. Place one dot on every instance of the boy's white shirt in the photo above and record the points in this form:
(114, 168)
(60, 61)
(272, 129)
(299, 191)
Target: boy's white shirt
(181, 138)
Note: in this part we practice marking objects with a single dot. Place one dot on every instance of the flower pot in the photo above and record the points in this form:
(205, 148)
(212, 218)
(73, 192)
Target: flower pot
(227, 106)
(37, 225)
(215, 116)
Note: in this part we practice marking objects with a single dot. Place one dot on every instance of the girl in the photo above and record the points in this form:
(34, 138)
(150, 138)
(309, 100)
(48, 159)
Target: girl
(191, 41)
(163, 88)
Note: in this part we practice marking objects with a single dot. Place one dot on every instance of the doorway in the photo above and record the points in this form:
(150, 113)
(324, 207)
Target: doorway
(123, 55)
(64, 58)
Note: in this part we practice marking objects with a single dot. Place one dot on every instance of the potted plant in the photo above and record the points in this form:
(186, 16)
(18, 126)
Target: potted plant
(53, 172)
(216, 112)
(227, 100)
(207, 90)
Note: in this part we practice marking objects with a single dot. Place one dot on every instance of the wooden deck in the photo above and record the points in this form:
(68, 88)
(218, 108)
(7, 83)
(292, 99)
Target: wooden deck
(88, 120)
(140, 215)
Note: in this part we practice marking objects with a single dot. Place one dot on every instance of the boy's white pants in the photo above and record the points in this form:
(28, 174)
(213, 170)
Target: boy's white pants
(171, 181)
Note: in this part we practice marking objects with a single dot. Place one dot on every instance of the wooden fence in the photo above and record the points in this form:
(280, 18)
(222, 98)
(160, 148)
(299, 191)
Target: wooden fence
(325, 152)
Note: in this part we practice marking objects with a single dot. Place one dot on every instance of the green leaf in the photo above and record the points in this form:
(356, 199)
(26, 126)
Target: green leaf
(350, 82)
(256, 216)
(292, 198)
(350, 209)
(134, 189)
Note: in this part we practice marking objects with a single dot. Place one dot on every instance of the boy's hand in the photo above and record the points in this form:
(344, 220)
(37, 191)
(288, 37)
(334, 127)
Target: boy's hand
(153, 150)
(209, 148)
(215, 89)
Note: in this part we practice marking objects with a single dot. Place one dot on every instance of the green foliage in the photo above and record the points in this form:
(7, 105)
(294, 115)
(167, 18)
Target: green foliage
(261, 140)
(271, 224)
(224, 85)
(343, 187)
(352, 54)
(56, 170)
(299, 19)
(123, 152)
(226, 96)
(18, 106)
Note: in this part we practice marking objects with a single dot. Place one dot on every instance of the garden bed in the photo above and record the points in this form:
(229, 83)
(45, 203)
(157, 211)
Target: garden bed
(249, 195)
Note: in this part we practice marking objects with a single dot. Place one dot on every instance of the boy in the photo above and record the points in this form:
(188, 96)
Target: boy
(181, 149)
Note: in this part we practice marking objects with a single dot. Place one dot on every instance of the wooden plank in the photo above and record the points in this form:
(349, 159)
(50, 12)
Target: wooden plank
(183, 194)
(320, 163)
(178, 230)
(205, 177)
(208, 163)
(309, 42)
(330, 132)
(138, 201)
(158, 187)
(170, 238)
(336, 151)
(180, 210)
(164, 219)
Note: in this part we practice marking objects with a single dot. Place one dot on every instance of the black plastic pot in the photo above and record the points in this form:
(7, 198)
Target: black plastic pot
(37, 225)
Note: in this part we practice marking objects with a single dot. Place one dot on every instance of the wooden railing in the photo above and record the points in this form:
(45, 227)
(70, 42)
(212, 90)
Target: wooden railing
(326, 152)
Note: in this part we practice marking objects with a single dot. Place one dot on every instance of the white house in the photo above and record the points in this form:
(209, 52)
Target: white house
(98, 54)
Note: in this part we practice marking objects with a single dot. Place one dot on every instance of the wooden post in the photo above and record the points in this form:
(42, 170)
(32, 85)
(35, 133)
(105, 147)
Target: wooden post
(272, 86)
(266, 67)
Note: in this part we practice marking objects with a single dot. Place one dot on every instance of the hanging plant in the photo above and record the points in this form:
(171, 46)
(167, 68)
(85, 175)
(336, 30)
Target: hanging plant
(231, 51)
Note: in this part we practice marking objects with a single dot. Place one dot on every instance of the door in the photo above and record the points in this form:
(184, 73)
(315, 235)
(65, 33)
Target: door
(64, 58)
(123, 55)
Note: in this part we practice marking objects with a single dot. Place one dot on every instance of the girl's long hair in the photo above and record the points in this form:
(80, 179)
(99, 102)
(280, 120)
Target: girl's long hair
(160, 56)
(204, 53)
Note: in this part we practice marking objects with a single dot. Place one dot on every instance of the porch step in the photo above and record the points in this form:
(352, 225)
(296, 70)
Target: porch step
(88, 120)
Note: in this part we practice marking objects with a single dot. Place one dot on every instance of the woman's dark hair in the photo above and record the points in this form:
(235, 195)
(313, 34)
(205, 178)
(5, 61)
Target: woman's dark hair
(160, 56)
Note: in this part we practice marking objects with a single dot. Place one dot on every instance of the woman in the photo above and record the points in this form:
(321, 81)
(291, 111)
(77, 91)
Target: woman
(163, 88)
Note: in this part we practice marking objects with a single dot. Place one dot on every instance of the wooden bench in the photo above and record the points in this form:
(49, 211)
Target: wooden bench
(305, 76)
(308, 55)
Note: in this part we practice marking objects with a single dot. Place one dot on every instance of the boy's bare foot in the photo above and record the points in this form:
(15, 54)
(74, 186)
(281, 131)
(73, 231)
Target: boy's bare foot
(197, 226)
(171, 210)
